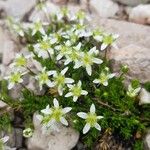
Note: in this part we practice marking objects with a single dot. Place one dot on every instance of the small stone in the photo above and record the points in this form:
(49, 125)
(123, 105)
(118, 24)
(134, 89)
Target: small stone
(140, 14)
(147, 141)
(144, 97)
(132, 2)
(66, 139)
(136, 58)
(18, 8)
(101, 7)
(50, 8)
(18, 137)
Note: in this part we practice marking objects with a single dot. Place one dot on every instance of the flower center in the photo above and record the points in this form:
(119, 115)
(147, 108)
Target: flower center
(37, 25)
(43, 77)
(91, 119)
(21, 61)
(57, 113)
(108, 40)
(103, 78)
(60, 79)
(44, 45)
(87, 59)
(15, 77)
(76, 91)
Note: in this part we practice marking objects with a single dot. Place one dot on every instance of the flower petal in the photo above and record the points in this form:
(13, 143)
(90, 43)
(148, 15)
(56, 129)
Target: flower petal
(86, 128)
(82, 115)
(92, 108)
(100, 117)
(69, 80)
(64, 71)
(75, 98)
(97, 126)
(103, 46)
(105, 83)
(59, 56)
(96, 81)
(63, 121)
(89, 70)
(66, 110)
(97, 61)
(55, 102)
(68, 94)
(83, 92)
(11, 85)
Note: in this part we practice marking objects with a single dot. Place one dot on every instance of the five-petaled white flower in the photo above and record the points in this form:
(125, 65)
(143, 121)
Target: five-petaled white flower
(132, 92)
(3, 141)
(20, 61)
(14, 78)
(44, 48)
(91, 119)
(76, 91)
(98, 35)
(63, 50)
(43, 78)
(59, 80)
(74, 56)
(37, 27)
(28, 132)
(104, 77)
(17, 28)
(52, 116)
(109, 40)
(88, 59)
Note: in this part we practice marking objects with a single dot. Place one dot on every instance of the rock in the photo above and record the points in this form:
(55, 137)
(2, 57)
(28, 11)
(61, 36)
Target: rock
(129, 33)
(66, 139)
(140, 14)
(8, 47)
(144, 97)
(60, 1)
(2, 105)
(17, 8)
(147, 141)
(101, 7)
(50, 8)
(132, 2)
(18, 137)
(5, 108)
(137, 58)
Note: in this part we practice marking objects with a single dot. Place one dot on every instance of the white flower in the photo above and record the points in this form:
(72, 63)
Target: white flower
(74, 56)
(43, 78)
(63, 50)
(91, 119)
(3, 141)
(132, 92)
(20, 61)
(79, 16)
(54, 115)
(13, 79)
(59, 80)
(88, 59)
(109, 40)
(28, 132)
(37, 27)
(18, 29)
(98, 35)
(104, 77)
(44, 48)
(76, 91)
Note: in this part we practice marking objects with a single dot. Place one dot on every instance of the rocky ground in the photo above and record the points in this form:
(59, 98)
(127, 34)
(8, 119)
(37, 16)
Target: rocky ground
(128, 18)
